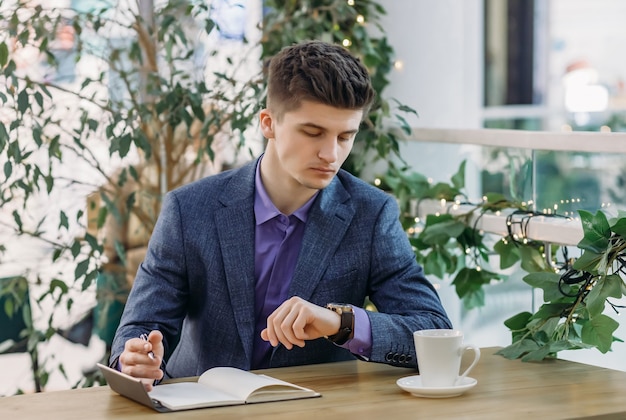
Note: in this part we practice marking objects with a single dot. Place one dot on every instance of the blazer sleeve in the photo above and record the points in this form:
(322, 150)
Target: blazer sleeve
(160, 291)
(405, 299)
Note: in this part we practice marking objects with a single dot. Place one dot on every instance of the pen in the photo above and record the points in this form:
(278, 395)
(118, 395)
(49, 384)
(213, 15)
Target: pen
(144, 337)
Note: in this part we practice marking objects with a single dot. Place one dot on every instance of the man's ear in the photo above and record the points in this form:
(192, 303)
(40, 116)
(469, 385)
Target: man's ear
(267, 124)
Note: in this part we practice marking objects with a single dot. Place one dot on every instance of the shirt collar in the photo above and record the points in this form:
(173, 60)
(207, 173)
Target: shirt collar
(265, 210)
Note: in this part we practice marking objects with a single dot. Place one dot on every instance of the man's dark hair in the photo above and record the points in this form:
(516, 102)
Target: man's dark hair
(319, 72)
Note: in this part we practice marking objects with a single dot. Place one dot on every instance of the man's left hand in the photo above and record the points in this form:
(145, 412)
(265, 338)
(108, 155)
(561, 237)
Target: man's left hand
(297, 320)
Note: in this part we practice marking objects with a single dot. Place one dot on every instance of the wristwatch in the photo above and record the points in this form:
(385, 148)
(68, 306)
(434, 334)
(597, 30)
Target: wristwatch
(346, 328)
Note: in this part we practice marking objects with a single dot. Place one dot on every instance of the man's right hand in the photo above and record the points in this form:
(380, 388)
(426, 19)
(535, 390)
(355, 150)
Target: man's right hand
(135, 360)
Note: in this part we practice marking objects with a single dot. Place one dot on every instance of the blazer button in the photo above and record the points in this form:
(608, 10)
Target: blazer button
(389, 357)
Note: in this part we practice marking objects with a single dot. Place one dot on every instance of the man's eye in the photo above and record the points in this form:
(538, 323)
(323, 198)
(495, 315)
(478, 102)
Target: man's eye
(312, 134)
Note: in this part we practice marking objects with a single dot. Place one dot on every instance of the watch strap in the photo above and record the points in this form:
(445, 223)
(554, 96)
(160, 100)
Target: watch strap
(346, 327)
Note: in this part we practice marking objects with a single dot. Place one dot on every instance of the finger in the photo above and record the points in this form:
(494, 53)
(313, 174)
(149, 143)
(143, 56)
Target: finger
(274, 324)
(299, 327)
(147, 384)
(270, 335)
(143, 371)
(287, 328)
(155, 338)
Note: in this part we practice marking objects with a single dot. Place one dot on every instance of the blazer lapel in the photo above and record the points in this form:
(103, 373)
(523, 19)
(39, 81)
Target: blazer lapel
(332, 212)
(234, 222)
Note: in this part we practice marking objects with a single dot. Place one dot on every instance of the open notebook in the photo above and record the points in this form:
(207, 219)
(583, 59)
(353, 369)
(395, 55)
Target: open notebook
(216, 387)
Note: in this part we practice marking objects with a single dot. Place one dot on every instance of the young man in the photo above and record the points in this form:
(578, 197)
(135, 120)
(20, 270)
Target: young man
(269, 265)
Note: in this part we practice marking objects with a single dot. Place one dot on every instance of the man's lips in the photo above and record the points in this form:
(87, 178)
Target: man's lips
(324, 170)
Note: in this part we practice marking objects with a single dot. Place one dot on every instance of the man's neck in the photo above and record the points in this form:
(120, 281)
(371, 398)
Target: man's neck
(285, 193)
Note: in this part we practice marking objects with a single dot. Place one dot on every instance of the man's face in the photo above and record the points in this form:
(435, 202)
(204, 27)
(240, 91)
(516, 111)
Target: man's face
(309, 144)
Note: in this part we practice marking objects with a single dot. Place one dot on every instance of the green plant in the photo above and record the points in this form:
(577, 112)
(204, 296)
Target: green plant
(447, 244)
(575, 297)
(131, 120)
(575, 294)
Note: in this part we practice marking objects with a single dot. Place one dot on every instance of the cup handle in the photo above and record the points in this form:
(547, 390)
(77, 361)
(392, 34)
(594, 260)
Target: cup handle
(474, 362)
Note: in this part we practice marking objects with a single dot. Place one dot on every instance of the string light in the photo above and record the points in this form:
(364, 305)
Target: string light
(360, 19)
(377, 182)
(346, 42)
(398, 65)
(350, 2)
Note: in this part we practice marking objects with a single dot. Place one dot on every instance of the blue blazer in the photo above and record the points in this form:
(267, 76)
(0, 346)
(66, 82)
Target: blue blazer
(196, 284)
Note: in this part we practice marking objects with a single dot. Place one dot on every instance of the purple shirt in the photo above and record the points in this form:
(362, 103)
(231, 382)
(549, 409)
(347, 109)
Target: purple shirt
(277, 243)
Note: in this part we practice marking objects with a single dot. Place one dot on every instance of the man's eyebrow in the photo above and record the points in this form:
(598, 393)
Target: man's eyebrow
(319, 127)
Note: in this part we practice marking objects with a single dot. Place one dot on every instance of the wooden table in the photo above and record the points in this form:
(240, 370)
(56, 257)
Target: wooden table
(508, 389)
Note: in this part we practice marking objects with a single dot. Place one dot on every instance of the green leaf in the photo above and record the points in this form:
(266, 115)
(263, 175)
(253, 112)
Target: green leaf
(474, 299)
(81, 269)
(58, 284)
(89, 279)
(4, 136)
(548, 282)
(4, 54)
(102, 216)
(64, 222)
(517, 349)
(120, 250)
(469, 282)
(619, 227)
(439, 229)
(8, 169)
(518, 322)
(538, 354)
(588, 262)
(609, 286)
(18, 219)
(598, 331)
(435, 265)
(508, 252)
(39, 99)
(124, 145)
(93, 242)
(548, 310)
(532, 260)
(596, 231)
(9, 307)
(75, 249)
(22, 101)
(458, 179)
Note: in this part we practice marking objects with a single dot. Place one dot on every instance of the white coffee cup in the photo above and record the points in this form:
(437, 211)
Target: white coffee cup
(439, 355)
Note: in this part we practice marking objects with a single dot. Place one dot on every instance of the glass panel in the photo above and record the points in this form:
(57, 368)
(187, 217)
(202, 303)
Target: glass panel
(571, 181)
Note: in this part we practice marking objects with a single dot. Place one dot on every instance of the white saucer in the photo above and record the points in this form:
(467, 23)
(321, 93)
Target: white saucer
(413, 384)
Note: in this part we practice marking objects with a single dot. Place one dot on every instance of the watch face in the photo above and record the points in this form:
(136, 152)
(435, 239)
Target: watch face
(339, 307)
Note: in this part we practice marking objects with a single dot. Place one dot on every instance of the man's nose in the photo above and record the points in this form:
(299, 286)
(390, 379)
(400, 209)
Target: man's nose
(328, 151)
